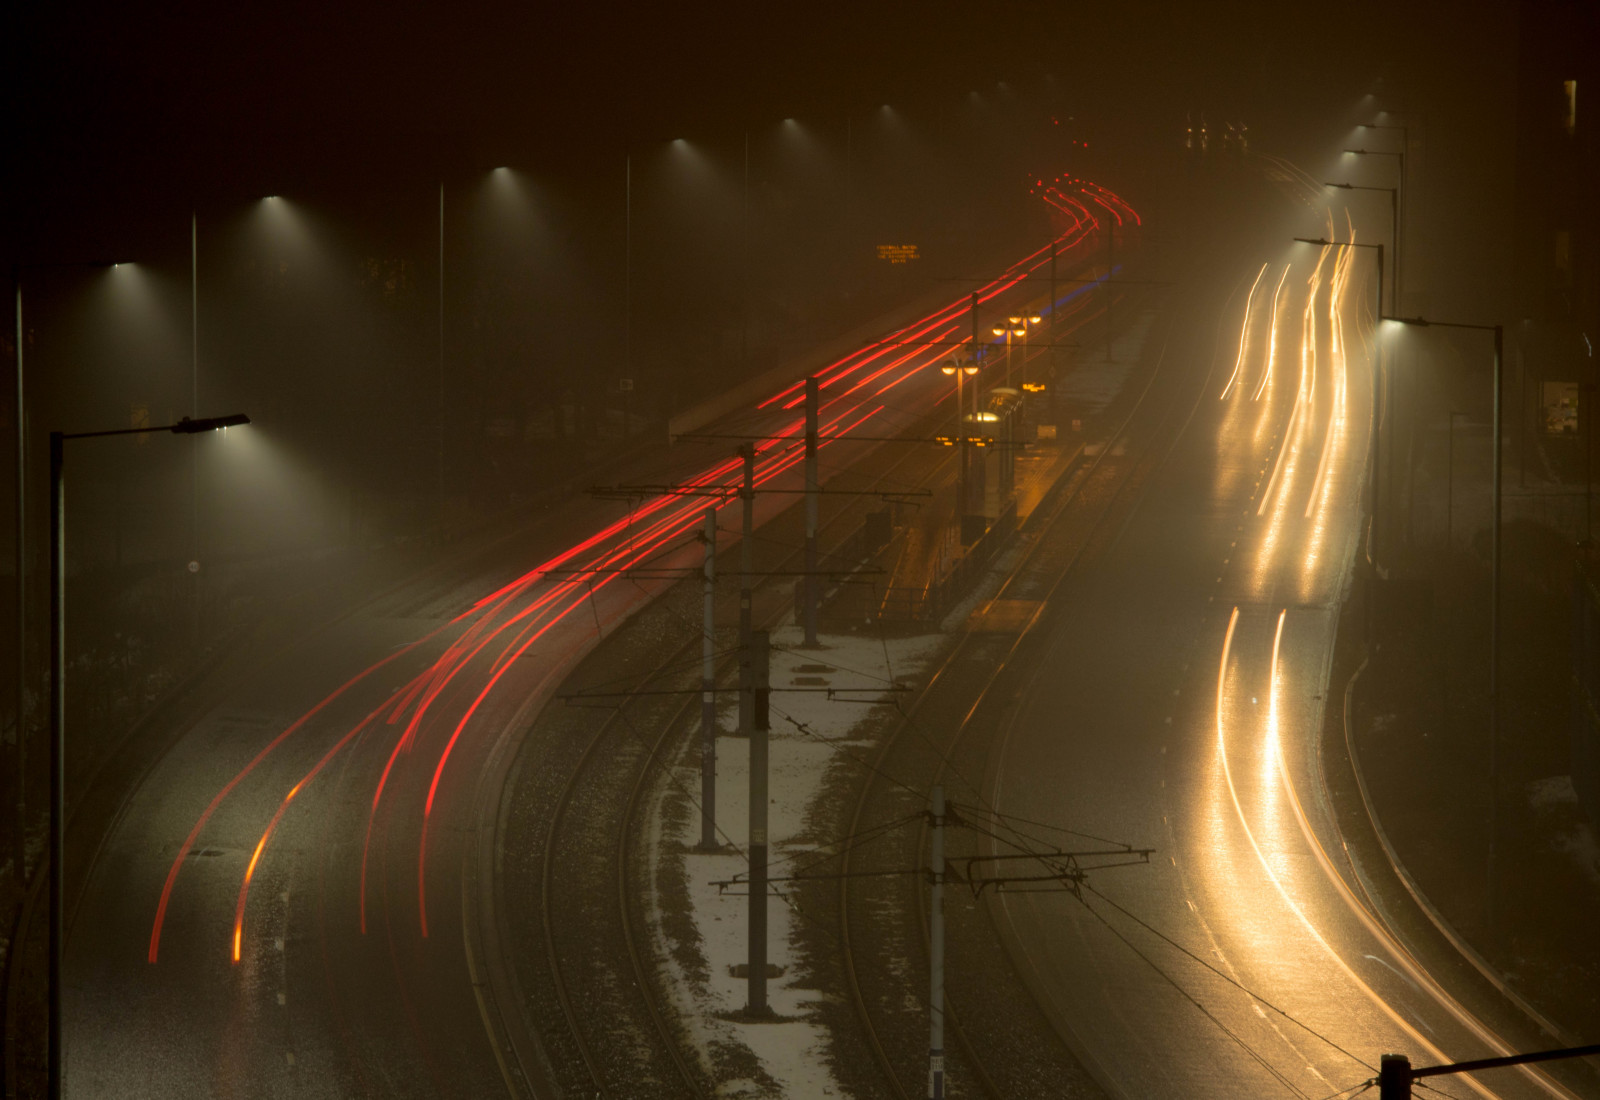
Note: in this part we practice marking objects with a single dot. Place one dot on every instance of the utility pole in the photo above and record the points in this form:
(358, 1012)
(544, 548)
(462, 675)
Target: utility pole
(756, 659)
(440, 454)
(812, 582)
(708, 692)
(936, 953)
(19, 852)
(58, 722)
(1494, 644)
(627, 274)
(194, 411)
(747, 497)
(1064, 869)
(1052, 371)
(1013, 415)
(975, 470)
(1491, 875)
(744, 246)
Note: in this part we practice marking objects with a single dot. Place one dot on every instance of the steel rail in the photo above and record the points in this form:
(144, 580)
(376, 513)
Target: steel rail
(653, 756)
(952, 1019)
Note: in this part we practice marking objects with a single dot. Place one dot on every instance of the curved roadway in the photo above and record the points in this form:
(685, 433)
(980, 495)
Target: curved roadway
(1178, 704)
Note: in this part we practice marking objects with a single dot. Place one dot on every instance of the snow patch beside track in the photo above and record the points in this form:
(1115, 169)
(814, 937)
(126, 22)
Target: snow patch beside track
(789, 1056)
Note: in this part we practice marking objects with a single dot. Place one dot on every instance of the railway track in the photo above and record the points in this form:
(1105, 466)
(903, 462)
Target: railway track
(997, 1042)
(585, 980)
(592, 998)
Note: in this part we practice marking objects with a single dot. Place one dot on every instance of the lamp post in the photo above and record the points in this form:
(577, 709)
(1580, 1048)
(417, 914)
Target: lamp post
(1494, 600)
(1394, 226)
(948, 367)
(58, 698)
(1024, 325)
(1400, 204)
(20, 801)
(1405, 144)
(1014, 328)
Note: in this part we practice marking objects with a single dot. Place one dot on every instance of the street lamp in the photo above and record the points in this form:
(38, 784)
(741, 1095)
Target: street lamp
(949, 367)
(1494, 594)
(58, 698)
(1008, 331)
(1400, 205)
(1024, 325)
(1405, 136)
(1394, 225)
(19, 409)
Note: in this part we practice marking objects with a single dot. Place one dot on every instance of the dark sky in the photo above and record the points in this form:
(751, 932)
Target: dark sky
(126, 105)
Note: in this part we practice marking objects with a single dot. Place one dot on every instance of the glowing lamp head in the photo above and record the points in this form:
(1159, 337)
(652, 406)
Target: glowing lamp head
(189, 426)
(947, 367)
(999, 330)
(970, 368)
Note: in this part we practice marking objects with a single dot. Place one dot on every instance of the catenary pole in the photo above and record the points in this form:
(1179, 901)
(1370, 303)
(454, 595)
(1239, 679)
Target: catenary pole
(936, 952)
(1051, 373)
(961, 424)
(756, 979)
(812, 581)
(708, 696)
(1494, 644)
(747, 524)
(20, 802)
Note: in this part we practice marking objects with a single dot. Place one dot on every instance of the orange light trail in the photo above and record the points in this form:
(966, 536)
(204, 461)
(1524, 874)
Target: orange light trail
(1413, 972)
(1244, 334)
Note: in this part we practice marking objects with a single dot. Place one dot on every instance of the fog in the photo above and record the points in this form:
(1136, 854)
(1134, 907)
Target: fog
(459, 264)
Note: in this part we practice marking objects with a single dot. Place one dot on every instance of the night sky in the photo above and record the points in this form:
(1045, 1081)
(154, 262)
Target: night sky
(129, 108)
